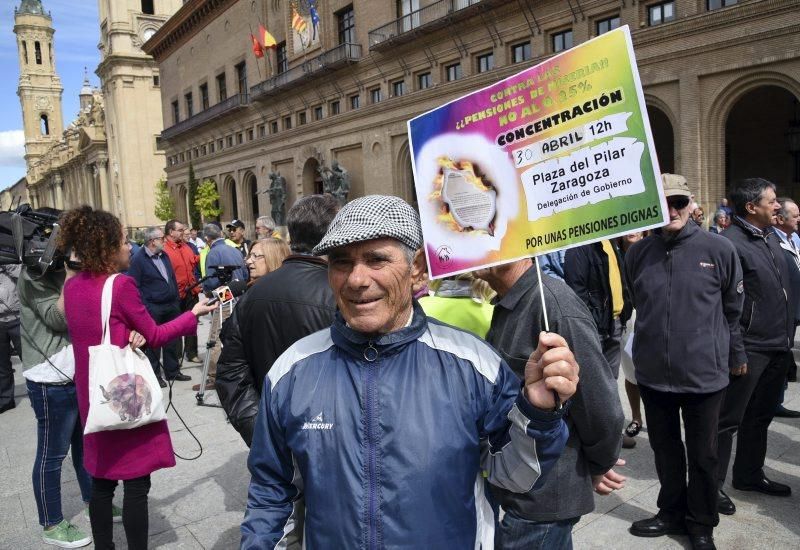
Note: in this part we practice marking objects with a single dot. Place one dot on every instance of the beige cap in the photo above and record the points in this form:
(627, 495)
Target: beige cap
(675, 185)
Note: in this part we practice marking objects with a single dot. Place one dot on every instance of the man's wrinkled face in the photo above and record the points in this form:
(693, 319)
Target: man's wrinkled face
(679, 207)
(762, 213)
(372, 284)
(788, 223)
(236, 234)
(176, 234)
(263, 232)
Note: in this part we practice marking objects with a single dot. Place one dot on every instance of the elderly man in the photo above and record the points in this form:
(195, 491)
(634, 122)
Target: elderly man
(767, 324)
(184, 263)
(236, 238)
(687, 290)
(265, 228)
(219, 255)
(544, 517)
(387, 422)
(282, 307)
(154, 276)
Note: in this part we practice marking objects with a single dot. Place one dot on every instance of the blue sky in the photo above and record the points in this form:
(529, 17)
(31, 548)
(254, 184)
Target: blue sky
(77, 34)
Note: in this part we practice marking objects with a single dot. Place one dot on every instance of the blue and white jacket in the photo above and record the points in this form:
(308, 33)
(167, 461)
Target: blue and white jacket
(386, 440)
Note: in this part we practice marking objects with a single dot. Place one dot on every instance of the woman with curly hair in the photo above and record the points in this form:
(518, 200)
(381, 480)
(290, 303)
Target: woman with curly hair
(97, 241)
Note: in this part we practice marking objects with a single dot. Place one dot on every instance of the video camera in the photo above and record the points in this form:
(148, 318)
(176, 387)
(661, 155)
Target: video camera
(224, 273)
(29, 236)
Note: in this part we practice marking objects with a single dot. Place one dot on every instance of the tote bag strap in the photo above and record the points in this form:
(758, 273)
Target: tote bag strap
(105, 308)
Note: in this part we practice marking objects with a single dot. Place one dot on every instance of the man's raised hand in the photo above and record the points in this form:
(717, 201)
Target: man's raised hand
(551, 367)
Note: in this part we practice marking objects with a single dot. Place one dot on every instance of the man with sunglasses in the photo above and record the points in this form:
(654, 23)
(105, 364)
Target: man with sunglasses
(686, 286)
(767, 323)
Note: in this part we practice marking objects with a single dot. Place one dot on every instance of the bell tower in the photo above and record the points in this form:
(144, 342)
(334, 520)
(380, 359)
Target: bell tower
(39, 88)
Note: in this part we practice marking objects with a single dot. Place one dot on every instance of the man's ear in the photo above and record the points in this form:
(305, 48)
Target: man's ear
(419, 270)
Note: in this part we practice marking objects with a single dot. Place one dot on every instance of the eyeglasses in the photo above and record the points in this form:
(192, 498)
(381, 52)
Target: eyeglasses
(678, 203)
(255, 256)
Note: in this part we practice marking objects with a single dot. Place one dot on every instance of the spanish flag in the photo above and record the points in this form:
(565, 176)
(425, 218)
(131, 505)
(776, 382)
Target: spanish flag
(298, 23)
(267, 40)
(258, 51)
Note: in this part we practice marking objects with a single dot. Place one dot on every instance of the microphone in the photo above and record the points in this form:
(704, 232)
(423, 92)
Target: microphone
(237, 288)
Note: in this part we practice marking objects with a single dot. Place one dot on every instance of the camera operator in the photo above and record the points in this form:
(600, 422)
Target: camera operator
(282, 307)
(221, 254)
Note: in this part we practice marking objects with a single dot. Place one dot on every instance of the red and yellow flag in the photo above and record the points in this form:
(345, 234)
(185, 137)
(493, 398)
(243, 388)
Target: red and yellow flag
(257, 49)
(298, 23)
(267, 40)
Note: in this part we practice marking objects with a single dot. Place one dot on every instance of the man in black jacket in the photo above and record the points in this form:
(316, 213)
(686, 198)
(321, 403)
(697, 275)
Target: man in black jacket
(152, 270)
(282, 307)
(686, 288)
(767, 324)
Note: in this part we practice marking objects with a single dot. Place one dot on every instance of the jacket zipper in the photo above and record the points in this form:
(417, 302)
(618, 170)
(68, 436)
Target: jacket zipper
(669, 310)
(370, 355)
(780, 281)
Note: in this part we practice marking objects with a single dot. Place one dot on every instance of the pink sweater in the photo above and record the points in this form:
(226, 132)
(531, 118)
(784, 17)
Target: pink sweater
(118, 454)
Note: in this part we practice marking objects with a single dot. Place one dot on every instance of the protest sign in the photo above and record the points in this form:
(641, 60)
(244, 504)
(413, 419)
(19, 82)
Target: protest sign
(556, 156)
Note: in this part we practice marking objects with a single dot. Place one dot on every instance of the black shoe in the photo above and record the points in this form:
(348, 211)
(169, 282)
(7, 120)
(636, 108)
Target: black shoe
(765, 486)
(656, 527)
(8, 407)
(724, 504)
(162, 382)
(180, 377)
(702, 542)
(783, 412)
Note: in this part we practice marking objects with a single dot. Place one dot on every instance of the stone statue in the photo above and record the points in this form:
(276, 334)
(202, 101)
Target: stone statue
(277, 197)
(341, 182)
(327, 178)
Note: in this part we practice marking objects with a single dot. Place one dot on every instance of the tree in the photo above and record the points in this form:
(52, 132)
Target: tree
(165, 208)
(194, 213)
(207, 200)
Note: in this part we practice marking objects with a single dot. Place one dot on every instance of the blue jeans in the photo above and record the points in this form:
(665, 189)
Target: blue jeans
(515, 533)
(58, 427)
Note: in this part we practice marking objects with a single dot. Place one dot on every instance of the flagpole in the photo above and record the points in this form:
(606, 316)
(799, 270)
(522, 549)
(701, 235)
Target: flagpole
(260, 77)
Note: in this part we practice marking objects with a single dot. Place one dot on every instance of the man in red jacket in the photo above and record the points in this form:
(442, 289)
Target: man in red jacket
(184, 261)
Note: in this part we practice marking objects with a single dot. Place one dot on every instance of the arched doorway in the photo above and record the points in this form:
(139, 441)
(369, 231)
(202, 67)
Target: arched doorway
(312, 180)
(761, 139)
(230, 206)
(250, 203)
(664, 138)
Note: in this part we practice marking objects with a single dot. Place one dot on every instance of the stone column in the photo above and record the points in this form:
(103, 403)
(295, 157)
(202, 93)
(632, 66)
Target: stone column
(100, 171)
(58, 182)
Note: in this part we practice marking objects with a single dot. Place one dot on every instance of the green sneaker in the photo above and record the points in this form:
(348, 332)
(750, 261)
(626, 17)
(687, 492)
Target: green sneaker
(66, 535)
(116, 514)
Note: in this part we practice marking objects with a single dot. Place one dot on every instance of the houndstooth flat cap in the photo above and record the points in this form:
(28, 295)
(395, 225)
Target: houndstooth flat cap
(372, 217)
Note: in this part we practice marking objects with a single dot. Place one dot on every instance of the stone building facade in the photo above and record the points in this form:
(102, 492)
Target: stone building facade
(721, 81)
(109, 157)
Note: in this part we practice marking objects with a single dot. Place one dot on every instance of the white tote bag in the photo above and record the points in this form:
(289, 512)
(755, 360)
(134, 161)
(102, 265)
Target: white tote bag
(123, 389)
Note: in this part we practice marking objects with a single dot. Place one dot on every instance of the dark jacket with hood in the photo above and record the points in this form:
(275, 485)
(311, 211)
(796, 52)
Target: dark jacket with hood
(767, 318)
(687, 291)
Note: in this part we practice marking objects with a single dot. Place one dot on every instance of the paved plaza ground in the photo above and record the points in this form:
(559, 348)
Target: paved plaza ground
(199, 503)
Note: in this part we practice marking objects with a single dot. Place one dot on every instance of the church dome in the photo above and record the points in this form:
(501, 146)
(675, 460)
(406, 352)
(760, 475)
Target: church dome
(31, 6)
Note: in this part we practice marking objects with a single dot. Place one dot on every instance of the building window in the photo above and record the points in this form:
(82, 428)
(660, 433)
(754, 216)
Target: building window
(203, 150)
(147, 7)
(661, 13)
(45, 125)
(318, 112)
(176, 112)
(183, 159)
(222, 87)
(262, 130)
(375, 95)
(302, 118)
(25, 51)
(239, 138)
(249, 134)
(37, 48)
(424, 81)
(229, 141)
(347, 25)
(220, 144)
(189, 105)
(453, 72)
(241, 77)
(287, 123)
(283, 62)
(273, 127)
(204, 96)
(605, 25)
(485, 62)
(196, 152)
(336, 107)
(562, 41)
(211, 147)
(521, 52)
(355, 102)
(398, 88)
(717, 4)
(156, 80)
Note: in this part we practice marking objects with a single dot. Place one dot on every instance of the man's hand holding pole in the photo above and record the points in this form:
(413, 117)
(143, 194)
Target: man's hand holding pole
(550, 368)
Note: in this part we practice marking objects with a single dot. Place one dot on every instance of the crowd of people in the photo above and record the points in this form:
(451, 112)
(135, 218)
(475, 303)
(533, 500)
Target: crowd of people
(423, 413)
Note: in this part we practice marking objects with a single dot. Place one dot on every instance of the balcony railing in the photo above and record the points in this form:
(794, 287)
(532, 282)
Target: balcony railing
(428, 18)
(339, 56)
(233, 103)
